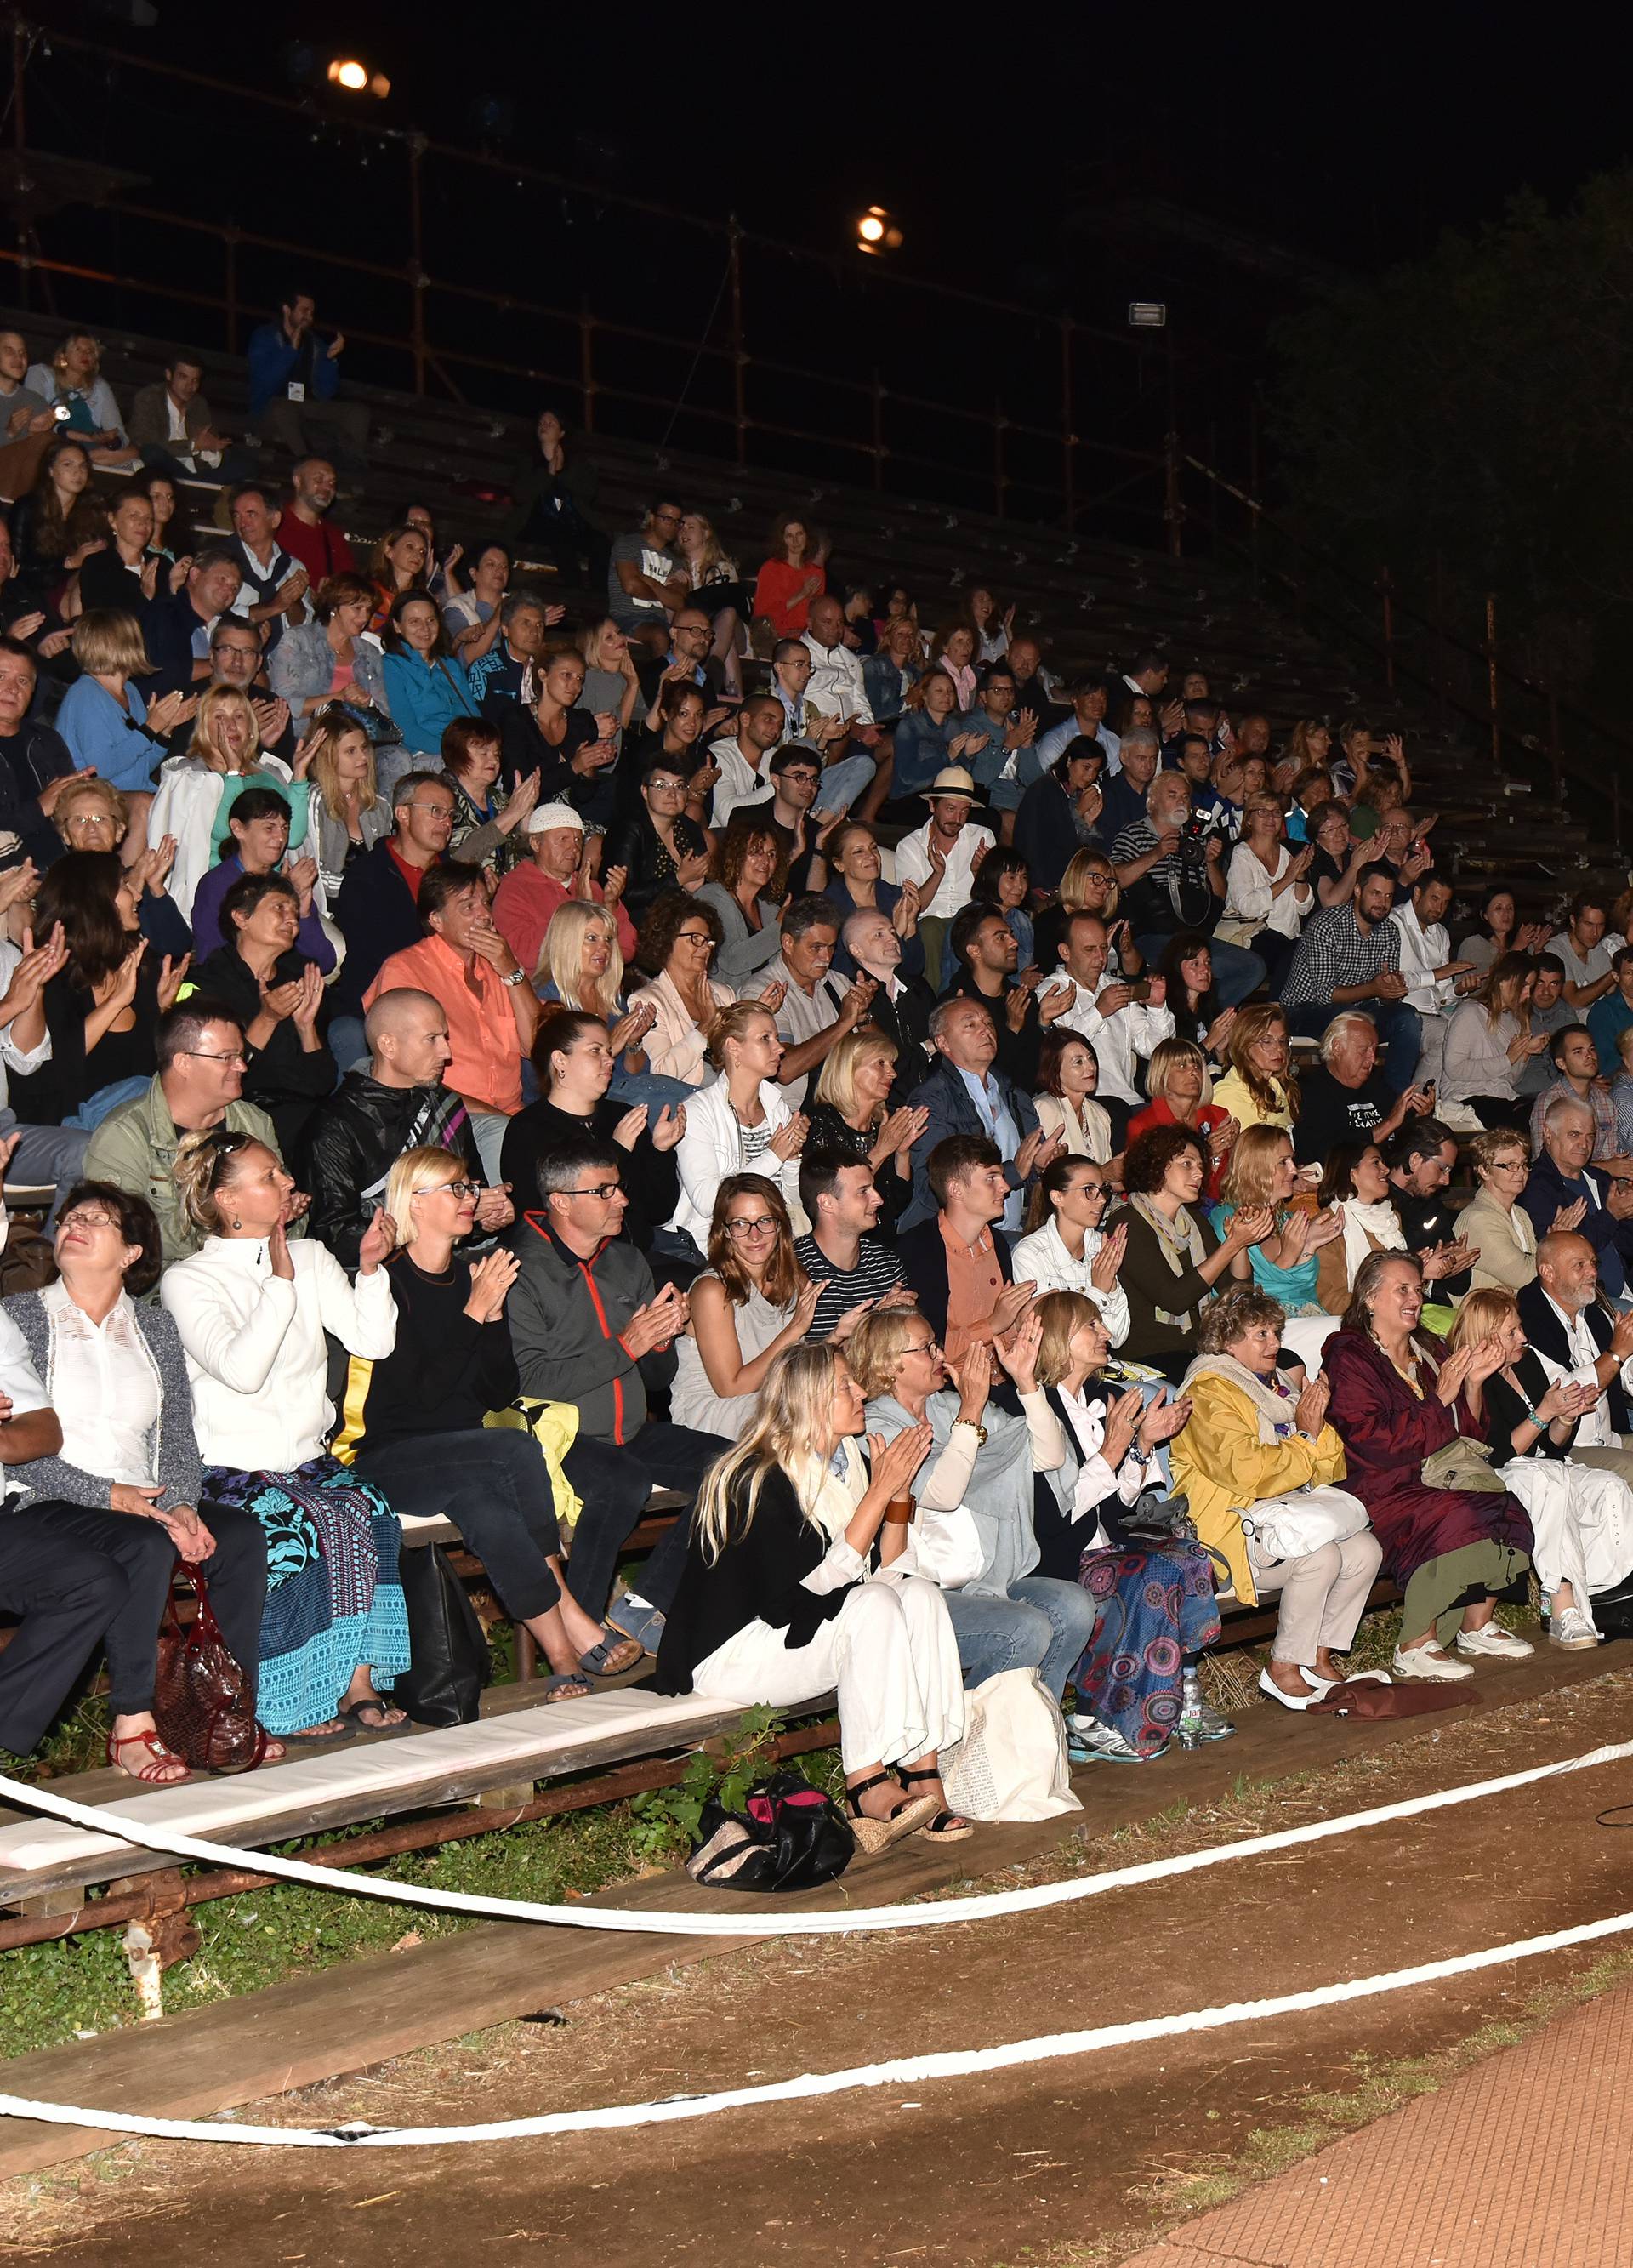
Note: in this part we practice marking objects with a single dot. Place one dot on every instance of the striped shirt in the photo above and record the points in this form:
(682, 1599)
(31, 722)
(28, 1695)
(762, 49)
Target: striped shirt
(877, 1270)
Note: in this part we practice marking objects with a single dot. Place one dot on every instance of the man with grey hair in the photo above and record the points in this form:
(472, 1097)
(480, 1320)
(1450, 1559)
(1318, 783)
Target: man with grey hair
(1170, 867)
(902, 1006)
(966, 1094)
(1125, 789)
(1565, 1189)
(505, 672)
(1348, 1100)
(395, 1101)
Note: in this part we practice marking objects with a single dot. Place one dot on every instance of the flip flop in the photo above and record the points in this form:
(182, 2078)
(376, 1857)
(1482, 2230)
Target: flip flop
(352, 1711)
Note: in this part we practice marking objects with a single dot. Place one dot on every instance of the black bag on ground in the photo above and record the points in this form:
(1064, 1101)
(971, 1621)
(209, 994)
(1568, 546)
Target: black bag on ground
(788, 1836)
(448, 1658)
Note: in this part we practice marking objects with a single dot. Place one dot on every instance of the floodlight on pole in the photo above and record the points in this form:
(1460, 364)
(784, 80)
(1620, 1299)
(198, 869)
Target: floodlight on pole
(877, 232)
(356, 78)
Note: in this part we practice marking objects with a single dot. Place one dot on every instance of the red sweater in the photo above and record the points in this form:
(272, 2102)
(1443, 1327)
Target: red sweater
(773, 592)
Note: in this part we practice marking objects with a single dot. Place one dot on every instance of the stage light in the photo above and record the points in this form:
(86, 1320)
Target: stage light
(356, 78)
(877, 232)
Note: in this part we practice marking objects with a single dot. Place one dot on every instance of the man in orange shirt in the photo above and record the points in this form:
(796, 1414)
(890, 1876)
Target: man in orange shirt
(532, 892)
(492, 1009)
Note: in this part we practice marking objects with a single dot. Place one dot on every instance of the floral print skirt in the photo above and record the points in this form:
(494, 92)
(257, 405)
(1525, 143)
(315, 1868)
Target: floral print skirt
(1155, 1606)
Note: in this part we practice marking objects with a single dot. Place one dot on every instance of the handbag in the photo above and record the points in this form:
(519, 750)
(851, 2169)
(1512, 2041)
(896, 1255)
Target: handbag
(448, 1655)
(1362, 1697)
(946, 1547)
(201, 1704)
(789, 1836)
(1460, 1464)
(1011, 1761)
(1291, 1526)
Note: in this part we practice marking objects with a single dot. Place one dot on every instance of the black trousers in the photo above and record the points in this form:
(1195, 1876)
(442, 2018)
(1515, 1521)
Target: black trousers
(493, 1485)
(78, 1576)
(615, 1483)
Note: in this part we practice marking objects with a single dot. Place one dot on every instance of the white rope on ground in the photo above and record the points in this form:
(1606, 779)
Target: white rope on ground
(906, 2071)
(983, 1907)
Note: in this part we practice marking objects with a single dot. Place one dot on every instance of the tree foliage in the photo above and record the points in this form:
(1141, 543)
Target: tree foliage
(1478, 404)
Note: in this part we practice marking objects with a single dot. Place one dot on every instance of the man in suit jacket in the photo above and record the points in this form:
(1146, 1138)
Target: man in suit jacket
(1572, 1336)
(964, 1095)
(903, 1005)
(176, 430)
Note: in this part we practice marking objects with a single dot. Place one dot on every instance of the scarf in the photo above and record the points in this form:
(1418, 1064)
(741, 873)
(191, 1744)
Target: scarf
(1273, 1405)
(1367, 1228)
(1178, 1240)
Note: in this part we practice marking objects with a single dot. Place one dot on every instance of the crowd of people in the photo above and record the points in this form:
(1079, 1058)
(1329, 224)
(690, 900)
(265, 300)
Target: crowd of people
(776, 1050)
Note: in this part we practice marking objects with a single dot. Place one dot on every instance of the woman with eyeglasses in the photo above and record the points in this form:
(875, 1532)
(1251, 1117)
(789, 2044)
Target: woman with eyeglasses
(679, 938)
(255, 1311)
(740, 1123)
(126, 1483)
(574, 1057)
(414, 1425)
(752, 1303)
(663, 847)
(1495, 1223)
(1067, 1248)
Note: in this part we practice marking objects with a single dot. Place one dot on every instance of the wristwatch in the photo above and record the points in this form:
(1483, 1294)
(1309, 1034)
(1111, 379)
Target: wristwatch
(517, 977)
(980, 1431)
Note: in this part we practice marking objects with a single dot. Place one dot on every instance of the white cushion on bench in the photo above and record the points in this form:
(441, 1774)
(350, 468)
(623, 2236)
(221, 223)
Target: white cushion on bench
(228, 1810)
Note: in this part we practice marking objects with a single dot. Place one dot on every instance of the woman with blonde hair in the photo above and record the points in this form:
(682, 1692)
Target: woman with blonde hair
(740, 1122)
(1268, 897)
(1254, 1446)
(1581, 1515)
(1494, 1222)
(1284, 1265)
(415, 1429)
(1261, 1088)
(776, 1603)
(1005, 1615)
(583, 967)
(1488, 1042)
(850, 1113)
(197, 790)
(1180, 1088)
(89, 814)
(104, 718)
(1137, 1683)
(610, 686)
(344, 814)
(720, 591)
(752, 1303)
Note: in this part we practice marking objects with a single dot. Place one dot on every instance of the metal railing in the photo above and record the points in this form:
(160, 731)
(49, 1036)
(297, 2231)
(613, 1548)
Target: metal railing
(1029, 466)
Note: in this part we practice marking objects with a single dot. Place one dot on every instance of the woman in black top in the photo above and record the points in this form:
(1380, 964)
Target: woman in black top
(57, 523)
(101, 1008)
(663, 848)
(418, 1433)
(575, 1062)
(561, 746)
(850, 1112)
(775, 1605)
(129, 575)
(277, 998)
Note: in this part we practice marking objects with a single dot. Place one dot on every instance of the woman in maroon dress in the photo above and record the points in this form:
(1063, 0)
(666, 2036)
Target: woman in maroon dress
(1396, 1398)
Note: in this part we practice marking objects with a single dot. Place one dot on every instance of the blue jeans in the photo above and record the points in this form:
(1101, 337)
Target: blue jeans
(1236, 972)
(650, 1088)
(1042, 1624)
(1400, 1027)
(843, 782)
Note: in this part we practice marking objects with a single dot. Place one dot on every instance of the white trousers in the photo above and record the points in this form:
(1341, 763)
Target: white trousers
(1323, 1593)
(1582, 1517)
(889, 1651)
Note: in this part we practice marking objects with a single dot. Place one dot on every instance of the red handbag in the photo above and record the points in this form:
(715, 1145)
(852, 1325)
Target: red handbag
(201, 1701)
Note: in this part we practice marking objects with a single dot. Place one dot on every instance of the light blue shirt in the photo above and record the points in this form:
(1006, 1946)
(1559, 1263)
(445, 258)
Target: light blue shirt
(999, 1121)
(1036, 760)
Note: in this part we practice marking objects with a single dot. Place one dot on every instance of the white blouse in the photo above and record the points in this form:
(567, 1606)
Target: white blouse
(1042, 1259)
(105, 1389)
(1096, 1480)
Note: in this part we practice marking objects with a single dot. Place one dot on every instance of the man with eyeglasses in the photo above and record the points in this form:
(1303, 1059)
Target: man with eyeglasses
(583, 1312)
(645, 586)
(235, 659)
(198, 1084)
(377, 905)
(398, 1100)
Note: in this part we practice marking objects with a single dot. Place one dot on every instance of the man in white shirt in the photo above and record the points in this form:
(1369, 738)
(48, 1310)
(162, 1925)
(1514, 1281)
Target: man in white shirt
(816, 1010)
(1117, 1025)
(1086, 722)
(1435, 983)
(1580, 945)
(741, 758)
(942, 857)
(835, 689)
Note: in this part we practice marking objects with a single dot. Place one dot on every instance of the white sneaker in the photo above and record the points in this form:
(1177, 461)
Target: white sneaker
(1568, 1626)
(1427, 1661)
(1494, 1640)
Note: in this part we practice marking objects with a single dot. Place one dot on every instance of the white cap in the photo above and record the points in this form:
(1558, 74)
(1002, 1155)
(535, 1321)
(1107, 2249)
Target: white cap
(554, 814)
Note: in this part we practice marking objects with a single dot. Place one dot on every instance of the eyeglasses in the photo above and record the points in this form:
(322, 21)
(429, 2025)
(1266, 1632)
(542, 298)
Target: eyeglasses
(432, 810)
(744, 1227)
(82, 1219)
(800, 773)
(923, 1347)
(92, 819)
(604, 1191)
(461, 1190)
(223, 1135)
(694, 937)
(666, 786)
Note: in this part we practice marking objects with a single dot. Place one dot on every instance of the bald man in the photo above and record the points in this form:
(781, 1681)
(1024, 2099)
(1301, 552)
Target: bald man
(1575, 1337)
(394, 1103)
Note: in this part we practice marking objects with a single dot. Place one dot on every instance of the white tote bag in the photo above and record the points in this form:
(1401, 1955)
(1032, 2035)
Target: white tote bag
(946, 1547)
(1011, 1760)
(1290, 1527)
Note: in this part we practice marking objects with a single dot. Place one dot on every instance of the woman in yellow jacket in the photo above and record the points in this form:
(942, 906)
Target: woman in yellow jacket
(1255, 1451)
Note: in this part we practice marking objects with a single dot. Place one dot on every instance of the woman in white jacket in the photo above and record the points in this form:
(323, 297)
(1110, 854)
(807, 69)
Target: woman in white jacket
(1267, 897)
(1067, 1248)
(741, 1124)
(252, 1310)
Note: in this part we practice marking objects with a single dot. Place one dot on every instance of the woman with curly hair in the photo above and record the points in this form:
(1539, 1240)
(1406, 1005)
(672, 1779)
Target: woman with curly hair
(679, 938)
(749, 878)
(1173, 1261)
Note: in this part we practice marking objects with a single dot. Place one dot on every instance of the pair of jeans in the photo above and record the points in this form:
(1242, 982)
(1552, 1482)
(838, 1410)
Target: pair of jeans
(1236, 971)
(79, 1574)
(1399, 1027)
(614, 1482)
(493, 1485)
(1041, 1623)
(843, 782)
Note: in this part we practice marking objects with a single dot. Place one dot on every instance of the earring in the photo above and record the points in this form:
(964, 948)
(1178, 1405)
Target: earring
(236, 1222)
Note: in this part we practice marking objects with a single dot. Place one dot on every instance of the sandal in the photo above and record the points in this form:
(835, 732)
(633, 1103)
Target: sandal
(337, 1731)
(878, 1834)
(612, 1656)
(389, 1717)
(566, 1685)
(947, 1826)
(155, 1772)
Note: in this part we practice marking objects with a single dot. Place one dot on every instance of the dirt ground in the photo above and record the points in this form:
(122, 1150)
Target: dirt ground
(1074, 2161)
